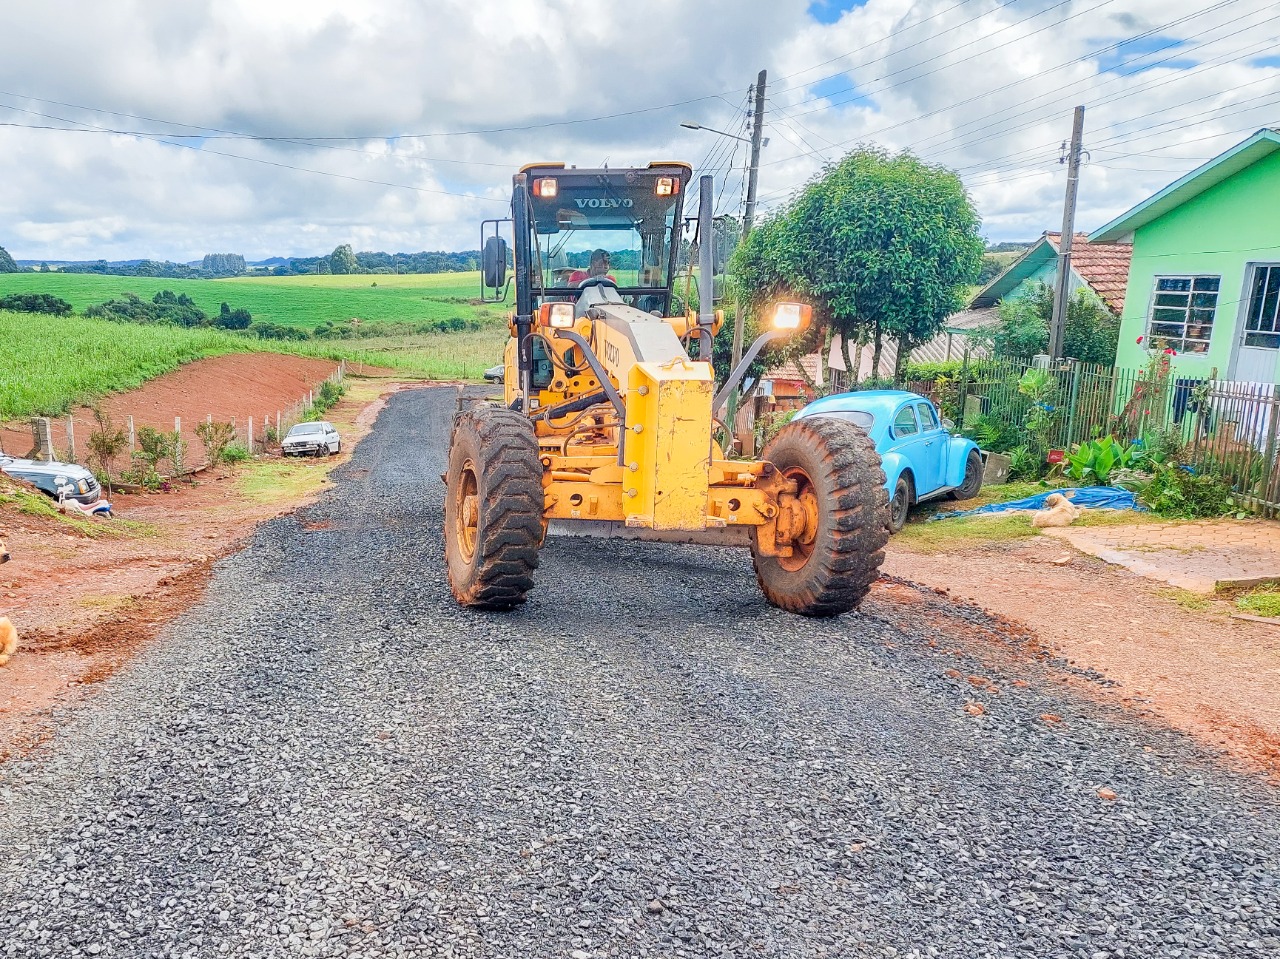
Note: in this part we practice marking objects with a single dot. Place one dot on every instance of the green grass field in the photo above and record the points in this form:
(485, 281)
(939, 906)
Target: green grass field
(300, 301)
(51, 364)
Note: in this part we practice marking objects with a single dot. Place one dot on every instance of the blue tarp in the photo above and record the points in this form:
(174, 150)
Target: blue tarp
(1087, 497)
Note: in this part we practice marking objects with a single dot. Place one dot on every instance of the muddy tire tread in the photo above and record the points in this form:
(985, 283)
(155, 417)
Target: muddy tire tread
(850, 546)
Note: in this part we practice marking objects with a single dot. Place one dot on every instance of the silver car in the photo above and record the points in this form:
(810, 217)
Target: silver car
(311, 439)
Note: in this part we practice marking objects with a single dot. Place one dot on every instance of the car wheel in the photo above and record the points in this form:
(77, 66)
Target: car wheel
(972, 484)
(900, 505)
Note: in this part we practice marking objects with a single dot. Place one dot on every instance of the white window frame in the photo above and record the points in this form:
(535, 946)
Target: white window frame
(1251, 276)
(1180, 343)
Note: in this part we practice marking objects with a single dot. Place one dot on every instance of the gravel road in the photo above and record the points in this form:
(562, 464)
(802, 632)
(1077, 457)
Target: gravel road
(328, 758)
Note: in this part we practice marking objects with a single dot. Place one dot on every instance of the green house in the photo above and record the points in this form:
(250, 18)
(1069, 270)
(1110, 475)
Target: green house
(1204, 277)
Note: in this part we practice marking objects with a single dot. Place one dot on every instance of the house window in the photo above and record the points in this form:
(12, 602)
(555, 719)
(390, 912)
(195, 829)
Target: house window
(1182, 313)
(1262, 322)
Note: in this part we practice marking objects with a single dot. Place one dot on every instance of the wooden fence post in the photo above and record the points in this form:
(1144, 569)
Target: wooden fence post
(250, 431)
(132, 436)
(71, 439)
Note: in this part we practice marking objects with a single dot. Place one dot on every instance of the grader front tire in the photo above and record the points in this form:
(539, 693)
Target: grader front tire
(493, 508)
(840, 481)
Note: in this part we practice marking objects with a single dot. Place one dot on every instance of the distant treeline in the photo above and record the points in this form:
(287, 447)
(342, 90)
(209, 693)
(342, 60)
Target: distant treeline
(343, 261)
(178, 309)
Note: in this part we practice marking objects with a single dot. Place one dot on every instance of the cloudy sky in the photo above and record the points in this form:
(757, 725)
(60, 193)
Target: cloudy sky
(130, 128)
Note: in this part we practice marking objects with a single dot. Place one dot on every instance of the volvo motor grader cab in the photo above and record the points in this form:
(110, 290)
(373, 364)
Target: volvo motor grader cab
(610, 409)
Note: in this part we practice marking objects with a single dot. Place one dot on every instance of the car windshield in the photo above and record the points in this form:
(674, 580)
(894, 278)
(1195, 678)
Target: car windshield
(302, 429)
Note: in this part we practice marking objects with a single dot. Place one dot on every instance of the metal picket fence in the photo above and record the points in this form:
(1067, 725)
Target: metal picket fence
(1229, 429)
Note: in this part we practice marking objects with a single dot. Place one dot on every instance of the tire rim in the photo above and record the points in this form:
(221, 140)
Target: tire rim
(900, 507)
(970, 473)
(466, 502)
(807, 499)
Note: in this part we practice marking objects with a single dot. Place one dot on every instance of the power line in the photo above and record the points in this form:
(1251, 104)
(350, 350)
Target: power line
(1111, 47)
(159, 138)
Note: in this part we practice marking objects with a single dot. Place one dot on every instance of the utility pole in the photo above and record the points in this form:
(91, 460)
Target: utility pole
(749, 214)
(1062, 289)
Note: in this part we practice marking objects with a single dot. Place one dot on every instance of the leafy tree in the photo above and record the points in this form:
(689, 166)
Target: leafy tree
(229, 319)
(44, 268)
(7, 265)
(882, 247)
(223, 264)
(343, 260)
(1091, 335)
(35, 303)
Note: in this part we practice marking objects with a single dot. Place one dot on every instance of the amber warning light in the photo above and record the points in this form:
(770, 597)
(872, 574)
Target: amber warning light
(667, 186)
(546, 188)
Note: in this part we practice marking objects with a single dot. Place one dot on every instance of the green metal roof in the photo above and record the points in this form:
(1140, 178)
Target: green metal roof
(1220, 168)
(1015, 273)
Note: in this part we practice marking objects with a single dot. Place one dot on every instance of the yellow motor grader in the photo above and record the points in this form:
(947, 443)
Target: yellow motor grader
(609, 414)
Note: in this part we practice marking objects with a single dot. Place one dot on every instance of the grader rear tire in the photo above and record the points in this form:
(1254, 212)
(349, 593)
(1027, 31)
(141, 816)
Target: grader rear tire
(837, 470)
(493, 508)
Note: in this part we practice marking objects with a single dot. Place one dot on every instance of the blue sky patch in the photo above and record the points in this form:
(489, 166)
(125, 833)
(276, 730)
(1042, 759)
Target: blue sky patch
(833, 87)
(1265, 62)
(1144, 54)
(829, 11)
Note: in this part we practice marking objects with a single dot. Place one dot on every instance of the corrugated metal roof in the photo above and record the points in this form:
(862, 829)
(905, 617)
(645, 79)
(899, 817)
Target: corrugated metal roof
(1244, 154)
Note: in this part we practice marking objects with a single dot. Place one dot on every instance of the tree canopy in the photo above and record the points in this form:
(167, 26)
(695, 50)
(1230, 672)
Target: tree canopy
(223, 264)
(882, 246)
(7, 265)
(1091, 335)
(343, 260)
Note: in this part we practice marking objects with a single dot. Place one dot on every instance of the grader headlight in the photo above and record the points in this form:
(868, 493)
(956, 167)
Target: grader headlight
(792, 317)
(545, 187)
(556, 315)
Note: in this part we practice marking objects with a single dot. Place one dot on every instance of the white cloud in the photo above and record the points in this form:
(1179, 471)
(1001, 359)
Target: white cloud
(976, 86)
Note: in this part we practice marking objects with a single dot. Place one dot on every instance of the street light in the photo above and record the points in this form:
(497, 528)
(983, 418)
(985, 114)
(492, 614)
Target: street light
(732, 136)
(699, 126)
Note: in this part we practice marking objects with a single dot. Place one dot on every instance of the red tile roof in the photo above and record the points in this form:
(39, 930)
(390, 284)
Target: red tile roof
(812, 363)
(1104, 266)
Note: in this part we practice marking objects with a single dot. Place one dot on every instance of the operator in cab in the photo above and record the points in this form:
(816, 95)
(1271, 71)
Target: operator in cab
(599, 267)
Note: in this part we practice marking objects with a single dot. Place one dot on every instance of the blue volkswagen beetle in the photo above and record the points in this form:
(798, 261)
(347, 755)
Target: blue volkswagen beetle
(921, 458)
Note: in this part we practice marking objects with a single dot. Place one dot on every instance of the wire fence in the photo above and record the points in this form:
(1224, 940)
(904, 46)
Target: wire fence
(1226, 428)
(66, 438)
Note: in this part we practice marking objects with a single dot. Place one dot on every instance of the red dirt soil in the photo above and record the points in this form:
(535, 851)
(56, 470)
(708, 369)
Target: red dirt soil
(234, 387)
(1109, 634)
(84, 606)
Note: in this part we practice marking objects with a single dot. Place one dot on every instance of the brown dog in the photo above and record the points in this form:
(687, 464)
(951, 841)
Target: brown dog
(8, 635)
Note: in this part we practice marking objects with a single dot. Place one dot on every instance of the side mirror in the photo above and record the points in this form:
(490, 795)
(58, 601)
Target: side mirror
(493, 262)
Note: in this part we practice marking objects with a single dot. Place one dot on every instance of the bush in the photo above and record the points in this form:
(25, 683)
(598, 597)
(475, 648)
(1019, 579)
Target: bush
(1177, 492)
(106, 442)
(35, 303)
(235, 453)
(932, 372)
(1091, 335)
(229, 319)
(215, 438)
(1093, 463)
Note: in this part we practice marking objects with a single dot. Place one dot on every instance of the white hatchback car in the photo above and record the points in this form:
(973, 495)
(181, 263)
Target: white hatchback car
(311, 439)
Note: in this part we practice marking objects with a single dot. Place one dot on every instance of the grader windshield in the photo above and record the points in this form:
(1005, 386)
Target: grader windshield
(614, 226)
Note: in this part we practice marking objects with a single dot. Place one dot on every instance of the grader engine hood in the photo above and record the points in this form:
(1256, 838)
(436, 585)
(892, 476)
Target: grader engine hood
(667, 444)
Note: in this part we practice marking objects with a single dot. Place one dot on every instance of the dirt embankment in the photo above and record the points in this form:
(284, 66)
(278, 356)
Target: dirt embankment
(228, 388)
(1174, 658)
(86, 596)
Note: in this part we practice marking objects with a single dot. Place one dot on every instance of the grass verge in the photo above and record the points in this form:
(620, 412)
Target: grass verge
(967, 531)
(1260, 602)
